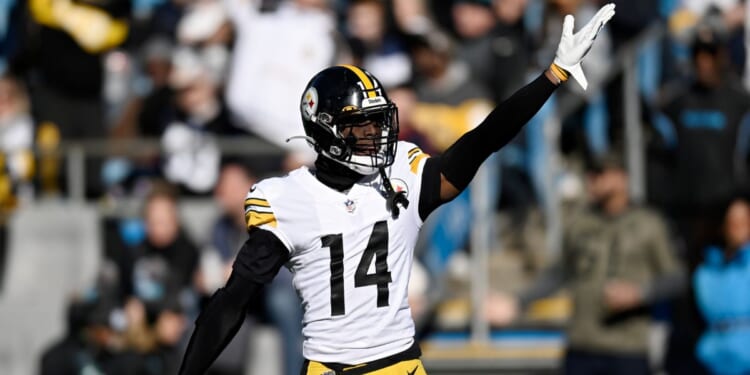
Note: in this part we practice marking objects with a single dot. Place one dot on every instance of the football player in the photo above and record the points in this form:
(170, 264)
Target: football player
(347, 227)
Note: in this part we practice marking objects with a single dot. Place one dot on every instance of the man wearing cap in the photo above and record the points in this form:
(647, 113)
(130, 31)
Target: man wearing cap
(616, 260)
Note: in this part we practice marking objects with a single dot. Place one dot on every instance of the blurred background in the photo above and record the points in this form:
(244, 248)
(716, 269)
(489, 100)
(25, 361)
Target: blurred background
(610, 235)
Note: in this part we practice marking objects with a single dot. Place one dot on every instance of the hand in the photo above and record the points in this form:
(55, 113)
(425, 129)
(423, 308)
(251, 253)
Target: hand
(135, 312)
(622, 295)
(574, 47)
(169, 327)
(501, 309)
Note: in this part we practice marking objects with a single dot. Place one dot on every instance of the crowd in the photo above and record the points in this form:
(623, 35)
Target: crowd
(192, 74)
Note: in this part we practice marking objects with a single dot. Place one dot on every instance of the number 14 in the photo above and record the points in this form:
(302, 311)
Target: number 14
(377, 247)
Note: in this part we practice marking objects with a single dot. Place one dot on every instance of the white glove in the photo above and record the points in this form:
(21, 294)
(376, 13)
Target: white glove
(573, 47)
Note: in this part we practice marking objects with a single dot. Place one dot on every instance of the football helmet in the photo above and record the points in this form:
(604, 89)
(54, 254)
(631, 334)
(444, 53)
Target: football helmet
(348, 118)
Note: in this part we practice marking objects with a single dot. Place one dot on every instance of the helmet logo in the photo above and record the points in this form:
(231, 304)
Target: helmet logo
(310, 103)
(373, 102)
(335, 151)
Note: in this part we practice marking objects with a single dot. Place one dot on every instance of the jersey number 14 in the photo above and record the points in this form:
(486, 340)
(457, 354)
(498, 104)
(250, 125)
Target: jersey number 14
(377, 247)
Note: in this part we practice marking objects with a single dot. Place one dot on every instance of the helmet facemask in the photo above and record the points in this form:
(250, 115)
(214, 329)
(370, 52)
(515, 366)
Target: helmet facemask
(364, 140)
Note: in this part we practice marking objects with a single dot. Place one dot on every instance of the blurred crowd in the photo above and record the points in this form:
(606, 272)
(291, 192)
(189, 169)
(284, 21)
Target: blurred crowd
(190, 76)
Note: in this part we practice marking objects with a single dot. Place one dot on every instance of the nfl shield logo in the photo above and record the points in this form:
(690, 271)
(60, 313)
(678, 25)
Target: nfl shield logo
(350, 206)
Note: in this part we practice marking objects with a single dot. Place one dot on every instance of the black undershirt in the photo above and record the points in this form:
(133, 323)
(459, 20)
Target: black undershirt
(263, 254)
(335, 175)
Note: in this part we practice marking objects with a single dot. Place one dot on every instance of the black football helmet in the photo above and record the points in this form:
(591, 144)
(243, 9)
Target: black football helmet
(341, 98)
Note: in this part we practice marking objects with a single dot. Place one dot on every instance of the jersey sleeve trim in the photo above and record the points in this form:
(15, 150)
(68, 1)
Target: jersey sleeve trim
(258, 212)
(415, 155)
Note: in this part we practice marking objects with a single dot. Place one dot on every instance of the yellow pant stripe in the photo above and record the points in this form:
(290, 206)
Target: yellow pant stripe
(410, 367)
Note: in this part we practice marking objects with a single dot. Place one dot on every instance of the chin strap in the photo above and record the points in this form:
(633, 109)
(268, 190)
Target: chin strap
(394, 198)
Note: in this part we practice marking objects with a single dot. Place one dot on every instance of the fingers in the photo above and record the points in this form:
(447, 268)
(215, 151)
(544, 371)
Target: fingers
(599, 20)
(568, 25)
(605, 13)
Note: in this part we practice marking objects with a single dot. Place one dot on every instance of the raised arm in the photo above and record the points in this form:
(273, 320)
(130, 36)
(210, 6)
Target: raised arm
(257, 263)
(449, 174)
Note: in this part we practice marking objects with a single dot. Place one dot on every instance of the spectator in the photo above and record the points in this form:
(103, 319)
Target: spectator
(148, 111)
(264, 80)
(93, 341)
(616, 260)
(705, 127)
(374, 46)
(12, 20)
(492, 43)
(449, 103)
(162, 278)
(155, 335)
(16, 141)
(721, 283)
(205, 27)
(146, 114)
(165, 262)
(64, 61)
(633, 16)
(405, 98)
(198, 116)
(411, 16)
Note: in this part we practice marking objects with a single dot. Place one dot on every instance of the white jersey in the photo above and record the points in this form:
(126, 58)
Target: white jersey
(350, 258)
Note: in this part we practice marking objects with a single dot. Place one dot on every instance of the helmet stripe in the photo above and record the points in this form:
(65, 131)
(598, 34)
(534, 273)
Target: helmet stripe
(364, 78)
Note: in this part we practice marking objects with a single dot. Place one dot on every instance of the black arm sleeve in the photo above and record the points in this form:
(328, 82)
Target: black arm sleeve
(461, 160)
(429, 196)
(257, 263)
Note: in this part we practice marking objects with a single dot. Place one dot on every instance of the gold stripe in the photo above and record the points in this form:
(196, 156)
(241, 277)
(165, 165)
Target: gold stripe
(256, 219)
(559, 72)
(413, 151)
(353, 367)
(316, 368)
(414, 164)
(364, 78)
(257, 202)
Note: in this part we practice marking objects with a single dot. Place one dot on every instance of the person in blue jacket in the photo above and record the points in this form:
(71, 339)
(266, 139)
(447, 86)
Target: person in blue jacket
(721, 284)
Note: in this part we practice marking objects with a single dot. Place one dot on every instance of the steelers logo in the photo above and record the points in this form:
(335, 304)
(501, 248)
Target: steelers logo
(309, 103)
(400, 186)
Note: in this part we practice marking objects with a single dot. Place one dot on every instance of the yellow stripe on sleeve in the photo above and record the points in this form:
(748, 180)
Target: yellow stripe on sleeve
(256, 219)
(256, 202)
(414, 164)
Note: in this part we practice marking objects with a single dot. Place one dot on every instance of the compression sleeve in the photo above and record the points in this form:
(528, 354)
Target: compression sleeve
(257, 263)
(429, 197)
(461, 160)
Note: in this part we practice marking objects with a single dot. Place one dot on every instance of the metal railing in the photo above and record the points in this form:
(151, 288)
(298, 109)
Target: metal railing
(76, 153)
